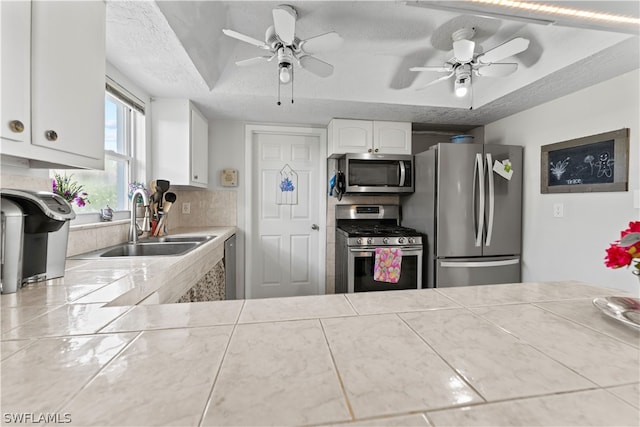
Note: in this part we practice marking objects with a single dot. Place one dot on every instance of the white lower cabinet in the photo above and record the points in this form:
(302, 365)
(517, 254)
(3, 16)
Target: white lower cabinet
(180, 148)
(53, 82)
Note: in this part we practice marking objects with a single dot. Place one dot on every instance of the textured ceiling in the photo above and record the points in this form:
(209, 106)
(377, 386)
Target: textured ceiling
(177, 49)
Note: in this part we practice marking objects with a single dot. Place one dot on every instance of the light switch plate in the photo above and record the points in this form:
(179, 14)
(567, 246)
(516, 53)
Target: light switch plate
(186, 208)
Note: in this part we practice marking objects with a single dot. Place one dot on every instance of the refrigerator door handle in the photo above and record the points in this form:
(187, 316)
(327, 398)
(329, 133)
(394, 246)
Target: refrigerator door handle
(491, 199)
(472, 264)
(478, 171)
(403, 173)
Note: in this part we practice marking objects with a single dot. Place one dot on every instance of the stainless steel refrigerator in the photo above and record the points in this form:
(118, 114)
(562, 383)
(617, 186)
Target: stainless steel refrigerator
(470, 213)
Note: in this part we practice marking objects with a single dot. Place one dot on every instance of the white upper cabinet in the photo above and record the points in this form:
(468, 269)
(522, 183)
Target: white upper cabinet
(53, 80)
(15, 17)
(392, 137)
(199, 148)
(365, 136)
(180, 135)
(349, 136)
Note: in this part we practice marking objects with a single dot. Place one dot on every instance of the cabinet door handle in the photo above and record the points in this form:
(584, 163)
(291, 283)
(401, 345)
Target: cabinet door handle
(376, 150)
(369, 150)
(16, 126)
(51, 135)
(195, 176)
(315, 227)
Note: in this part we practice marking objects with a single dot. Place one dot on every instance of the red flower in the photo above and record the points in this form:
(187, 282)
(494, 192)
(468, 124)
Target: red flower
(623, 254)
(634, 227)
(617, 257)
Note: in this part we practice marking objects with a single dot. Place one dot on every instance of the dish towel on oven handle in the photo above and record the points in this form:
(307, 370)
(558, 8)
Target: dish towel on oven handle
(387, 265)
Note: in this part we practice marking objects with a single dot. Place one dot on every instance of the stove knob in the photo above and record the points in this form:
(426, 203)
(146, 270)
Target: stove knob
(401, 240)
(359, 241)
(412, 240)
(369, 241)
(385, 240)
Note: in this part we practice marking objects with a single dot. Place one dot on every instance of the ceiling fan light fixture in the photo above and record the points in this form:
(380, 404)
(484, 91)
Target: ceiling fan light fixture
(285, 73)
(462, 83)
(285, 67)
(462, 87)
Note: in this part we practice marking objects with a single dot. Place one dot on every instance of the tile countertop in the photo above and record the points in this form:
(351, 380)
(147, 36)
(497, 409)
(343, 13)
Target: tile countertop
(516, 354)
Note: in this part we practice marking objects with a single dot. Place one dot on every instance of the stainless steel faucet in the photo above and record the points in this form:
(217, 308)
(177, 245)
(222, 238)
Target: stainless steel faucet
(134, 226)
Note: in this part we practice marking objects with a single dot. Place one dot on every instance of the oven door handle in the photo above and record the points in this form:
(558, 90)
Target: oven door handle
(367, 251)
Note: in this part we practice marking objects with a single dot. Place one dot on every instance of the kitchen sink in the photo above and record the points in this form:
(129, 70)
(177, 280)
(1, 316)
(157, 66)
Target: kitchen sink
(153, 246)
(170, 239)
(149, 249)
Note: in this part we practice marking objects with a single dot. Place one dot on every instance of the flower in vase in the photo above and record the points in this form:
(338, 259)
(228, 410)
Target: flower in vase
(626, 251)
(70, 190)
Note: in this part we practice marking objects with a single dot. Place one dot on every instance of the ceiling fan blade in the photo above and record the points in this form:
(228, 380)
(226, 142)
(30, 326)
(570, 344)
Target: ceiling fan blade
(321, 43)
(284, 21)
(316, 66)
(448, 76)
(435, 68)
(505, 50)
(252, 61)
(497, 69)
(463, 50)
(245, 38)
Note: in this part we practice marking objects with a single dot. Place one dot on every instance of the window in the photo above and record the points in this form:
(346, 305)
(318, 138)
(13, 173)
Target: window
(124, 129)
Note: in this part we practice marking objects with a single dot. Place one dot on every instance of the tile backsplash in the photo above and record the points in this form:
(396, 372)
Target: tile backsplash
(209, 208)
(21, 182)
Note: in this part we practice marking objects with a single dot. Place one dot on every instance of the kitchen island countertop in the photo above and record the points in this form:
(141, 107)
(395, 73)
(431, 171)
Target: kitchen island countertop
(515, 354)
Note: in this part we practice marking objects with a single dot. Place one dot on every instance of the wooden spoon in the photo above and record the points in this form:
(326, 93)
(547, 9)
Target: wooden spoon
(165, 209)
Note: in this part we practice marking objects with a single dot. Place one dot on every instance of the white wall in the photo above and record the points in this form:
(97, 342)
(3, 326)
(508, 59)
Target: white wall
(226, 151)
(573, 247)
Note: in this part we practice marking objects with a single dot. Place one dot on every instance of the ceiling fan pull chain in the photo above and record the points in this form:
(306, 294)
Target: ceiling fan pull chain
(278, 74)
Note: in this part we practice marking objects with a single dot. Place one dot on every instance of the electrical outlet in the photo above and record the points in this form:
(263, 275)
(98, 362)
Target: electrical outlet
(186, 208)
(558, 210)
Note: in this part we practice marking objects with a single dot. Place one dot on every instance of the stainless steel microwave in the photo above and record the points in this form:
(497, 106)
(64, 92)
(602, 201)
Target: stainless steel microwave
(377, 173)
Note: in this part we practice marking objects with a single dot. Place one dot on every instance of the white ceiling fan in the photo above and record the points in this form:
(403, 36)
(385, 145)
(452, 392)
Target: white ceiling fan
(283, 45)
(465, 62)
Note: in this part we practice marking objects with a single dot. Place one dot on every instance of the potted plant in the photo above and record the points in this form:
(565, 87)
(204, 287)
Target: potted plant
(70, 190)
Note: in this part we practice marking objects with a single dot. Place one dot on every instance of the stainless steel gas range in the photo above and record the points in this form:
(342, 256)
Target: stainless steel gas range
(360, 229)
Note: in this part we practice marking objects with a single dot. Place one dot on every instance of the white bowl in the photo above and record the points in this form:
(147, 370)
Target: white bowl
(462, 139)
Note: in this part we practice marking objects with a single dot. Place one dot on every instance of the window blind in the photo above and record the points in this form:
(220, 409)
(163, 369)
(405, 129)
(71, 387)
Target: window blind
(124, 95)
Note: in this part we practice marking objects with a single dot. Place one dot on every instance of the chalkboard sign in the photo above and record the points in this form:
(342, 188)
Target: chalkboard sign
(593, 163)
(584, 164)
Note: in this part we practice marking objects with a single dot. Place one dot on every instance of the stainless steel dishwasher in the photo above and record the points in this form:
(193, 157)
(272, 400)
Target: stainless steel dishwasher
(230, 268)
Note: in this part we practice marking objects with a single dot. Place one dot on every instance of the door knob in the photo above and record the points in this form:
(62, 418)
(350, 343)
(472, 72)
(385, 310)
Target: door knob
(315, 227)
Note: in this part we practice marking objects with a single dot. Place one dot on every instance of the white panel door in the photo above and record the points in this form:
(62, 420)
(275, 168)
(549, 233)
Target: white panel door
(285, 245)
